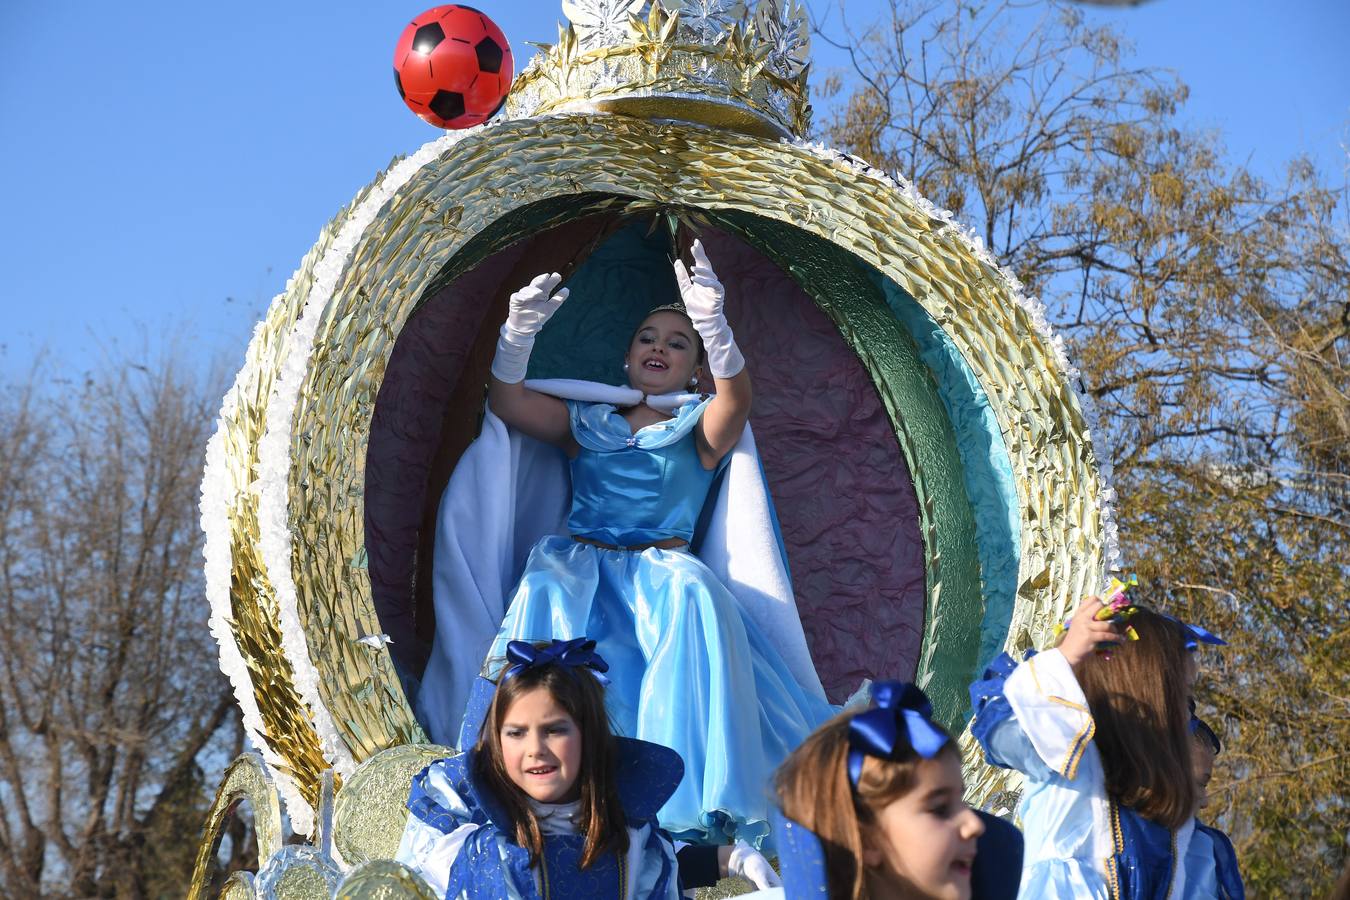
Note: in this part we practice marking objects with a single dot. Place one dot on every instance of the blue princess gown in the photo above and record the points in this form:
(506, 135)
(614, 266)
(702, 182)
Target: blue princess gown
(1033, 717)
(689, 669)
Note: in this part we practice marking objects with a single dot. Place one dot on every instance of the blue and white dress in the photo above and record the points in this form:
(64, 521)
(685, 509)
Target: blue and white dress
(1034, 718)
(689, 669)
(458, 839)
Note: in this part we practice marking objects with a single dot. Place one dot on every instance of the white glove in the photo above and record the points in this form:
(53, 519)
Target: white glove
(750, 864)
(703, 297)
(530, 308)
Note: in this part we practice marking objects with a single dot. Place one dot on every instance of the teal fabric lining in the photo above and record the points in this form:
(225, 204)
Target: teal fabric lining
(986, 468)
(588, 336)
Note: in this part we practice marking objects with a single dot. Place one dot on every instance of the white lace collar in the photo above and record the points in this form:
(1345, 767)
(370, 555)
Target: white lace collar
(557, 818)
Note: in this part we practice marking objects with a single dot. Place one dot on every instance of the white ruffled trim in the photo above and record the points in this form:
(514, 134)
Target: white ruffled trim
(274, 448)
(271, 486)
(1035, 309)
(216, 497)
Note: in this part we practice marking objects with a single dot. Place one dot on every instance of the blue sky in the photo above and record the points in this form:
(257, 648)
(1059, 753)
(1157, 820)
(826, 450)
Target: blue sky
(166, 166)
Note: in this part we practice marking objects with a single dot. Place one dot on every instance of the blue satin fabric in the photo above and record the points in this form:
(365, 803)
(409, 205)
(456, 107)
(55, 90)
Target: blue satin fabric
(1214, 844)
(688, 669)
(630, 489)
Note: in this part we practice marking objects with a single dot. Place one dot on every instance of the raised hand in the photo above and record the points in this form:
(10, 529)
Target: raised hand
(532, 305)
(701, 291)
(1086, 631)
(704, 298)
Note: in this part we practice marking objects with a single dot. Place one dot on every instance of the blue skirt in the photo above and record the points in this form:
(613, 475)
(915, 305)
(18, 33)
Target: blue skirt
(688, 670)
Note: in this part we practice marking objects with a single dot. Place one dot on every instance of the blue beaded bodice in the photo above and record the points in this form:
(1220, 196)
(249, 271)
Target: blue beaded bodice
(630, 489)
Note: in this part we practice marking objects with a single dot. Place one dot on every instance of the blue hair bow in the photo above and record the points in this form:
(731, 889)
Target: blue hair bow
(577, 653)
(900, 722)
(1195, 634)
(1201, 727)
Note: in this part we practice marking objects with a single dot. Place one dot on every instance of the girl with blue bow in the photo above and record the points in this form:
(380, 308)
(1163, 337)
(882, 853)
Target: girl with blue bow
(549, 803)
(876, 798)
(693, 670)
(1100, 727)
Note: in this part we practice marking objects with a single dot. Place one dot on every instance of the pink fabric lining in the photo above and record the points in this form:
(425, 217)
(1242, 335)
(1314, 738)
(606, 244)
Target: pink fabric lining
(844, 495)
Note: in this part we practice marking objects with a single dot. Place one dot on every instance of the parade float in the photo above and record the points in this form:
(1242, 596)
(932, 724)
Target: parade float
(929, 457)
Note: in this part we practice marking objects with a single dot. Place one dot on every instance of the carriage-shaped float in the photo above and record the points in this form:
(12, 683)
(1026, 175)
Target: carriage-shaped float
(928, 454)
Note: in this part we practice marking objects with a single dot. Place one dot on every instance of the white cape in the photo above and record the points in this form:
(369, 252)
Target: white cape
(508, 491)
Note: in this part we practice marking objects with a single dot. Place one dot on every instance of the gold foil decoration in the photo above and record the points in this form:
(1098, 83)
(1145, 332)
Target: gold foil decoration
(371, 808)
(239, 886)
(245, 779)
(384, 880)
(510, 166)
(255, 619)
(302, 883)
(708, 61)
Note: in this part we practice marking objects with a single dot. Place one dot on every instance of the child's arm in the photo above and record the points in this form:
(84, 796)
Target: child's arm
(430, 852)
(724, 419)
(703, 865)
(995, 727)
(538, 415)
(1034, 717)
(439, 822)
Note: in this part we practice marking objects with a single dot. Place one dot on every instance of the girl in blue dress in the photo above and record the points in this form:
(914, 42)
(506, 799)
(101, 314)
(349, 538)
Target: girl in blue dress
(1103, 738)
(693, 672)
(549, 803)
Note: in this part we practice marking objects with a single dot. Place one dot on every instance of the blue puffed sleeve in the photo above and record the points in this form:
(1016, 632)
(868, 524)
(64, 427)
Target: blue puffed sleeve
(440, 821)
(437, 798)
(995, 725)
(991, 704)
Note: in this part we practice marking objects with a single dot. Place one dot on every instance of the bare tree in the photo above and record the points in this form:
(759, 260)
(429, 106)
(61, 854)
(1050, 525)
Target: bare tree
(1209, 311)
(111, 705)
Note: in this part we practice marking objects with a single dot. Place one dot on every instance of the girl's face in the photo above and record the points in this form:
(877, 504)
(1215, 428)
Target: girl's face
(926, 841)
(541, 747)
(664, 354)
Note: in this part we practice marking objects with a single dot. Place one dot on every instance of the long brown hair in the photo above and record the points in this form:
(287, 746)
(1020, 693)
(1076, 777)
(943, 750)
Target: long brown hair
(602, 819)
(1139, 696)
(814, 790)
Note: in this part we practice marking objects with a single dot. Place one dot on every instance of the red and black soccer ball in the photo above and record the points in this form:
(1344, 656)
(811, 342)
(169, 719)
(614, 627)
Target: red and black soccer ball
(453, 66)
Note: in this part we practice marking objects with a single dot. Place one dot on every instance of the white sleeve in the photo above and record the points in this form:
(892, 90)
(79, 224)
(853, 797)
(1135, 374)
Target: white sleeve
(431, 852)
(1051, 710)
